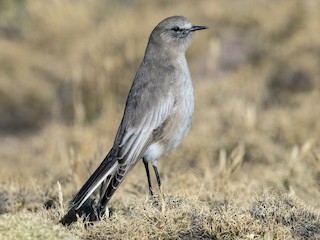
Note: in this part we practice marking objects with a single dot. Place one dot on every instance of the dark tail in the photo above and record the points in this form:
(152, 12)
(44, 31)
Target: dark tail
(113, 186)
(106, 168)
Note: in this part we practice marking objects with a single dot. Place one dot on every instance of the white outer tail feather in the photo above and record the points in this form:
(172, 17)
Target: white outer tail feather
(93, 188)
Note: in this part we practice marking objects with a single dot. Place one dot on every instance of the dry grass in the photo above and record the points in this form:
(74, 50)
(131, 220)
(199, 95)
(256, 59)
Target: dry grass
(250, 166)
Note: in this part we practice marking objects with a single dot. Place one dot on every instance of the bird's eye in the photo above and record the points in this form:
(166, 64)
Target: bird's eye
(176, 29)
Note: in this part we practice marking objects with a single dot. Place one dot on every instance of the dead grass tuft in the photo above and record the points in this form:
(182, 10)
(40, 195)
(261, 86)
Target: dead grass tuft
(65, 70)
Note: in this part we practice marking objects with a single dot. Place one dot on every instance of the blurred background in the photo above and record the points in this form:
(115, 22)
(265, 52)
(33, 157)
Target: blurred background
(66, 68)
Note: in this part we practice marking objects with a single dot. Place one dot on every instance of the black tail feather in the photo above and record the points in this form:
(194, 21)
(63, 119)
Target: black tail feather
(113, 186)
(94, 181)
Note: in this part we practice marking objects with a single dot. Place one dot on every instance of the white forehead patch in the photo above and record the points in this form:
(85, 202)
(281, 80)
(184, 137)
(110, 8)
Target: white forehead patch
(186, 26)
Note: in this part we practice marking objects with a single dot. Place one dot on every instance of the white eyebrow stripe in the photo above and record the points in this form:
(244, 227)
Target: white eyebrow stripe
(186, 26)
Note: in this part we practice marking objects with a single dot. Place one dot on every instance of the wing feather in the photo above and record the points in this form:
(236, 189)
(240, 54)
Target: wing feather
(136, 138)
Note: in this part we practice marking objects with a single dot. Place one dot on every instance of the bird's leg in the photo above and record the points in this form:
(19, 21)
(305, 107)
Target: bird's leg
(160, 188)
(148, 176)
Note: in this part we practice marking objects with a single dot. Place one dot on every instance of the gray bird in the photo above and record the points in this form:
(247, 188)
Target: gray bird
(157, 114)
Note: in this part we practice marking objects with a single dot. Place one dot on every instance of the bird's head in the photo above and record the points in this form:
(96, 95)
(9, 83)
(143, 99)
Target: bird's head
(174, 32)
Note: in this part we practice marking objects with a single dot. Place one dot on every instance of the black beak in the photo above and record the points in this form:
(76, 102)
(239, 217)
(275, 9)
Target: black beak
(196, 28)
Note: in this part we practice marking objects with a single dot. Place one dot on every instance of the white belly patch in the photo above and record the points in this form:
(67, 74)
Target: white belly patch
(153, 153)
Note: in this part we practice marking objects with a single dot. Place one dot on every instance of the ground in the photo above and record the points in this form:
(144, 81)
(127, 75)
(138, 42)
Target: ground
(250, 165)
